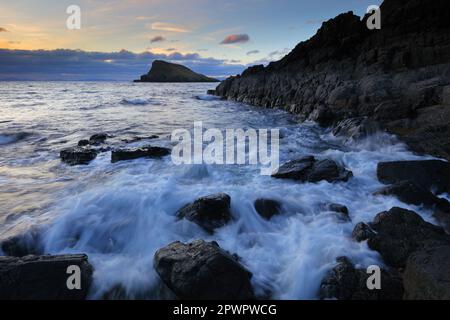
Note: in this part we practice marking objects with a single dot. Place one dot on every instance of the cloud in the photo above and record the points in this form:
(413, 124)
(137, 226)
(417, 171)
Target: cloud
(3, 29)
(236, 38)
(252, 52)
(163, 26)
(157, 39)
(78, 65)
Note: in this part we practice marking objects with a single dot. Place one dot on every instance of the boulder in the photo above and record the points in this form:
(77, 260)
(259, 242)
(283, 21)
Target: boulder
(345, 282)
(308, 169)
(210, 212)
(362, 232)
(78, 155)
(427, 274)
(83, 143)
(429, 174)
(202, 270)
(136, 153)
(400, 232)
(267, 208)
(98, 138)
(43, 277)
(24, 244)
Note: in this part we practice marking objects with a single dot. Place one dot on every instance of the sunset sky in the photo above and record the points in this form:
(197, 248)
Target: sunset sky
(218, 38)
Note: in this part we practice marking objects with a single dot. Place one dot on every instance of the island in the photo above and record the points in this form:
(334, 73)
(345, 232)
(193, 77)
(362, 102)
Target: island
(163, 71)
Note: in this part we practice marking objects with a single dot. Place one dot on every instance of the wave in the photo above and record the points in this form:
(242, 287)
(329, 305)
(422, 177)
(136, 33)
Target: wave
(138, 102)
(206, 97)
(9, 138)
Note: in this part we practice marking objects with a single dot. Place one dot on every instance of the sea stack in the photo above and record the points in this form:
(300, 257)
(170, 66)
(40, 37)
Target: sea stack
(163, 71)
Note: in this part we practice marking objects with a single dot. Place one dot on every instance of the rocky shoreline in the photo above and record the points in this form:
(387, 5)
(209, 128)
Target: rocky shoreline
(397, 78)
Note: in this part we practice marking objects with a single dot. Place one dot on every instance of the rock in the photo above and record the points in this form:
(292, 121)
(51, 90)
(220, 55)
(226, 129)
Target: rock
(400, 232)
(396, 76)
(210, 212)
(98, 138)
(355, 128)
(267, 208)
(308, 169)
(362, 232)
(163, 71)
(337, 208)
(77, 155)
(429, 174)
(412, 193)
(24, 244)
(427, 274)
(136, 139)
(202, 271)
(83, 143)
(135, 153)
(345, 282)
(43, 277)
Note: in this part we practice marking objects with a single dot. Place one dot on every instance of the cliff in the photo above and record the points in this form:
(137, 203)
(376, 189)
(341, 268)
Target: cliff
(398, 76)
(162, 71)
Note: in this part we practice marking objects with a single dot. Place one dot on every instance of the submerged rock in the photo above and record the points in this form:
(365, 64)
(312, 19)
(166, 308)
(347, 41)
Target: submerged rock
(43, 277)
(429, 174)
(398, 233)
(308, 169)
(427, 274)
(210, 212)
(202, 270)
(136, 153)
(77, 155)
(267, 208)
(345, 282)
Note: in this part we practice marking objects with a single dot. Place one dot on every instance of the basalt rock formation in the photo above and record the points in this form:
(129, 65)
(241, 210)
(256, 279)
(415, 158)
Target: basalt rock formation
(162, 71)
(398, 76)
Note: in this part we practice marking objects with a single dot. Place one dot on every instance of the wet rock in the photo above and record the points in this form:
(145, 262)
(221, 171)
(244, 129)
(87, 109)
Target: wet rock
(308, 169)
(356, 128)
(83, 143)
(362, 232)
(210, 212)
(427, 274)
(28, 243)
(202, 270)
(412, 193)
(399, 232)
(138, 138)
(267, 208)
(98, 139)
(429, 174)
(341, 210)
(136, 153)
(345, 282)
(43, 277)
(77, 155)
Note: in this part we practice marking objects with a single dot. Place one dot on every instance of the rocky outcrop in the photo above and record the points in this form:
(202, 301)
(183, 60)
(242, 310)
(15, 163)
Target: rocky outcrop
(78, 155)
(202, 270)
(308, 169)
(398, 76)
(345, 282)
(136, 153)
(27, 243)
(163, 71)
(43, 277)
(210, 212)
(267, 208)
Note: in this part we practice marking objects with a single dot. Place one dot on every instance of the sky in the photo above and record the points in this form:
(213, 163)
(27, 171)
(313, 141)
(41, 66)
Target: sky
(119, 39)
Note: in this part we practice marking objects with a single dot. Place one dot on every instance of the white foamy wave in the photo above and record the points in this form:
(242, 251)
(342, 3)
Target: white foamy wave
(206, 97)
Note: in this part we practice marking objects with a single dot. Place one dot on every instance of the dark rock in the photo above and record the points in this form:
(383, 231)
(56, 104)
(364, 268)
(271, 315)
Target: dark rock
(211, 92)
(427, 274)
(136, 153)
(337, 208)
(356, 128)
(362, 232)
(399, 233)
(202, 270)
(210, 212)
(307, 169)
(98, 138)
(83, 143)
(28, 243)
(267, 208)
(429, 174)
(345, 282)
(78, 155)
(43, 277)
(162, 71)
(136, 139)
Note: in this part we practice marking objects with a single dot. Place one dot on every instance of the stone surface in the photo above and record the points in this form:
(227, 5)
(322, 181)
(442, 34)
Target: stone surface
(308, 169)
(42, 277)
(78, 155)
(397, 76)
(136, 153)
(202, 270)
(163, 71)
(267, 208)
(24, 244)
(210, 212)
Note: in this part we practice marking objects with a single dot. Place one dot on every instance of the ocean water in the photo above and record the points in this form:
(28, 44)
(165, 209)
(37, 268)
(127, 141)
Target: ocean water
(120, 214)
